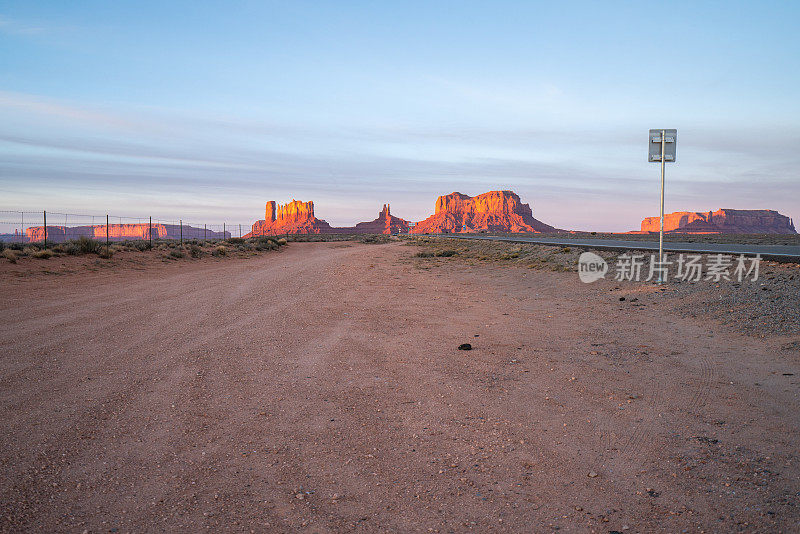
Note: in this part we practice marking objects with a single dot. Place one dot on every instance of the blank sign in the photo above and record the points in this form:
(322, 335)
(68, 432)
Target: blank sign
(670, 142)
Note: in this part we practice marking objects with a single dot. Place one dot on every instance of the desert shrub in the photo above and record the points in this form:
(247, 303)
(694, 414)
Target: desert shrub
(10, 255)
(265, 243)
(105, 252)
(235, 240)
(220, 251)
(2, 246)
(88, 246)
(141, 245)
(176, 253)
(15, 246)
(195, 251)
(70, 247)
(44, 254)
(566, 250)
(29, 250)
(446, 253)
(282, 241)
(424, 254)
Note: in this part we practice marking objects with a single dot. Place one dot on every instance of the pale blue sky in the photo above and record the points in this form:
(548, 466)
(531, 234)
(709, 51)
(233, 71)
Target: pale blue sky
(206, 110)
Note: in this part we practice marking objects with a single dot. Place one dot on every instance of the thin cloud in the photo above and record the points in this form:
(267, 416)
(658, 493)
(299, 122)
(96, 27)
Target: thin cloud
(18, 28)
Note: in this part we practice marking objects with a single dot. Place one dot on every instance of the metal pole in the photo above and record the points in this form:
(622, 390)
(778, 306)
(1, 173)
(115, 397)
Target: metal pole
(180, 222)
(150, 233)
(661, 230)
(45, 229)
(205, 234)
(223, 230)
(240, 231)
(108, 247)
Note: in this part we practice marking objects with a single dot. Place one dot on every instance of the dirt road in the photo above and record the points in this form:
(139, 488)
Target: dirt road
(320, 390)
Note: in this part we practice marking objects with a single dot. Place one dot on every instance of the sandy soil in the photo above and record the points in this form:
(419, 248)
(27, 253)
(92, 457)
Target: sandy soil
(320, 389)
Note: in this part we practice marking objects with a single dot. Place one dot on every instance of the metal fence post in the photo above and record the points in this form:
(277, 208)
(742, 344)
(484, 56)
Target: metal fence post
(180, 222)
(223, 230)
(150, 233)
(45, 228)
(240, 231)
(108, 246)
(205, 234)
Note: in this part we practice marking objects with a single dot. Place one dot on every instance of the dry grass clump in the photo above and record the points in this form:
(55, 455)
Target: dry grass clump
(523, 254)
(10, 255)
(173, 249)
(43, 254)
(447, 253)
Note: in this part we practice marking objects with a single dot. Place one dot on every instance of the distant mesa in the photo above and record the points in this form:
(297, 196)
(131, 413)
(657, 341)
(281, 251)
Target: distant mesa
(120, 232)
(723, 221)
(297, 217)
(495, 211)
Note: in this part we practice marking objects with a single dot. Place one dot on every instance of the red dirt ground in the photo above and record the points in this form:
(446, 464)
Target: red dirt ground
(319, 389)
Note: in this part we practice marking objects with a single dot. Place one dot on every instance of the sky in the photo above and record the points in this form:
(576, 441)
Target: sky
(205, 110)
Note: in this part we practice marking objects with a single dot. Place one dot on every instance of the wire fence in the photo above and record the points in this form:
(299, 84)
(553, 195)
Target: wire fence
(47, 227)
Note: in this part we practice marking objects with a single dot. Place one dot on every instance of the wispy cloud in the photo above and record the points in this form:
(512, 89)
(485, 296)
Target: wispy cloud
(15, 27)
(57, 148)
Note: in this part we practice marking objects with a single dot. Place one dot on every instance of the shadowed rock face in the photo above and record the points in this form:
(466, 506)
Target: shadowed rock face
(495, 211)
(724, 221)
(296, 217)
(386, 223)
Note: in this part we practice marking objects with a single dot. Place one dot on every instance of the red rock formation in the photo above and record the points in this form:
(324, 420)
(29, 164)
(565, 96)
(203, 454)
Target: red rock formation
(495, 211)
(724, 221)
(386, 223)
(120, 232)
(293, 218)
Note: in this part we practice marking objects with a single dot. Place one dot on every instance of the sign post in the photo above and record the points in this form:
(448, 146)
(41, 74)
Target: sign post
(661, 149)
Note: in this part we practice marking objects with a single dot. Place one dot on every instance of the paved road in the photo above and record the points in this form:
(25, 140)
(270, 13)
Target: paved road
(785, 253)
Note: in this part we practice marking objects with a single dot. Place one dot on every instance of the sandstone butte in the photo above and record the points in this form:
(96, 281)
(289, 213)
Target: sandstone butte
(386, 223)
(723, 221)
(297, 217)
(118, 232)
(495, 211)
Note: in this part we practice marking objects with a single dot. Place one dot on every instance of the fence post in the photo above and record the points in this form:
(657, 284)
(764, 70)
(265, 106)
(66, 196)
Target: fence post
(180, 222)
(150, 233)
(205, 234)
(223, 231)
(108, 246)
(45, 228)
(240, 231)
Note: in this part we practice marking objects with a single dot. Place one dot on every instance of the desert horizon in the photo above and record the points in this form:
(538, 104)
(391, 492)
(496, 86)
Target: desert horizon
(408, 267)
(494, 211)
